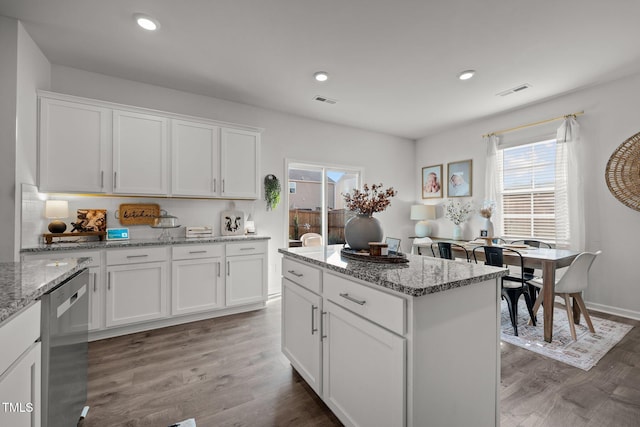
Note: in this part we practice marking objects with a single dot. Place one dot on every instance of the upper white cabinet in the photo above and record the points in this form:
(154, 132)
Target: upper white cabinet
(139, 153)
(91, 146)
(240, 160)
(74, 146)
(195, 159)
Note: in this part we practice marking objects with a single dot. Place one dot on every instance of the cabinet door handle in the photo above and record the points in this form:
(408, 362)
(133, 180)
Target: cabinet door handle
(214, 185)
(247, 249)
(313, 319)
(295, 273)
(352, 299)
(95, 280)
(223, 185)
(109, 282)
(218, 268)
(322, 335)
(228, 269)
(115, 179)
(101, 179)
(197, 252)
(137, 256)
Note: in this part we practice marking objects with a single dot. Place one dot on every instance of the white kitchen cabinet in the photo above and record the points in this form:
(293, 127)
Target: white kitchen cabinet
(240, 152)
(140, 151)
(197, 279)
(74, 144)
(136, 286)
(246, 268)
(363, 370)
(195, 159)
(20, 368)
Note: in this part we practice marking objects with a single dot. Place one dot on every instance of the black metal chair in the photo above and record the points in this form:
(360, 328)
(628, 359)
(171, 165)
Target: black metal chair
(512, 286)
(445, 251)
(529, 273)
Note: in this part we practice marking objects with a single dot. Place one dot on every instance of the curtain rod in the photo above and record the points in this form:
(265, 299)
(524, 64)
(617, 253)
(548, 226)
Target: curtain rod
(498, 132)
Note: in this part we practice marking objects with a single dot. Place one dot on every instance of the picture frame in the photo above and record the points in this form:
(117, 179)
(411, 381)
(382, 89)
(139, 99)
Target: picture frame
(393, 245)
(432, 182)
(232, 223)
(460, 178)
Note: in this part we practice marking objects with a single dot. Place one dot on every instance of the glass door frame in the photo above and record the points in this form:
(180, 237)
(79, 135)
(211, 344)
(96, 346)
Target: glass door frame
(323, 168)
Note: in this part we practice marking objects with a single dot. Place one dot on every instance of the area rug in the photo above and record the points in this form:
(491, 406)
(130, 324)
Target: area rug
(583, 353)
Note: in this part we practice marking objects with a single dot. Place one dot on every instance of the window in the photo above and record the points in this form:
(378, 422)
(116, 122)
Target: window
(528, 190)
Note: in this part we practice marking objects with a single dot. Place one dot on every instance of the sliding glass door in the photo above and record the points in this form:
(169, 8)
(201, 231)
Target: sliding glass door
(315, 202)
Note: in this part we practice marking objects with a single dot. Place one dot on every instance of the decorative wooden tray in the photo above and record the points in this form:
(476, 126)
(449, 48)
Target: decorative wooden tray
(138, 213)
(365, 256)
(48, 237)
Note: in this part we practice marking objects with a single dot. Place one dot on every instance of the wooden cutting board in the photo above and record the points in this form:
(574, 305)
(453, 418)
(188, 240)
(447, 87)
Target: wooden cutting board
(138, 213)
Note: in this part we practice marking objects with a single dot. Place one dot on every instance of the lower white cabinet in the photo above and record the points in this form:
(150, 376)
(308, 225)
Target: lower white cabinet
(363, 370)
(136, 293)
(301, 337)
(246, 278)
(196, 285)
(20, 391)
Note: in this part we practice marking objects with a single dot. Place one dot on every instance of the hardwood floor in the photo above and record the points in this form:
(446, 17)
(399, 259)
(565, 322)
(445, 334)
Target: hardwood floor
(230, 372)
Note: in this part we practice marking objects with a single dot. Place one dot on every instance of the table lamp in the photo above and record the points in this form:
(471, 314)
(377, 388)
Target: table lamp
(56, 209)
(421, 213)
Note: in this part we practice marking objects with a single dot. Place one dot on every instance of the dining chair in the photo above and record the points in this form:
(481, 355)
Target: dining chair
(311, 239)
(420, 242)
(530, 273)
(445, 251)
(512, 286)
(571, 284)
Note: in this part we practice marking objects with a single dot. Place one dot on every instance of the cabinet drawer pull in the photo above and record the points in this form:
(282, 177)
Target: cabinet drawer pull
(295, 273)
(137, 256)
(322, 335)
(352, 299)
(247, 249)
(313, 319)
(197, 252)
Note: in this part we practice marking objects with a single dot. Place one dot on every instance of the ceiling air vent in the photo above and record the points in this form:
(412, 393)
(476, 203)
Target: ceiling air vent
(324, 99)
(519, 88)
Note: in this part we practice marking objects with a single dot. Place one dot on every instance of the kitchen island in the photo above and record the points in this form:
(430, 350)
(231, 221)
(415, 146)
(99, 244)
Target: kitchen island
(410, 344)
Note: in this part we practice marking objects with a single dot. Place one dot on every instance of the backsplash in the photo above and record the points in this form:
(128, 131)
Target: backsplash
(190, 212)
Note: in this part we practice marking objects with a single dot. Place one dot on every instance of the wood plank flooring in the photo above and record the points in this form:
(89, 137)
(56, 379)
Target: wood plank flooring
(230, 372)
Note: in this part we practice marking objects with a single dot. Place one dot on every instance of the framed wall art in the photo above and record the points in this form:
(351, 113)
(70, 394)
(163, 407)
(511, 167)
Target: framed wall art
(459, 179)
(232, 223)
(432, 182)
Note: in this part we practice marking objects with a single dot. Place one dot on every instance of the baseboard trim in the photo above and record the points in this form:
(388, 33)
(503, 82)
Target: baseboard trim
(622, 312)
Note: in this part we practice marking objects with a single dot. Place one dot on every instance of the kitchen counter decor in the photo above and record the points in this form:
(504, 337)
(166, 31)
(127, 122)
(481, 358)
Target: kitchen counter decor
(364, 228)
(367, 257)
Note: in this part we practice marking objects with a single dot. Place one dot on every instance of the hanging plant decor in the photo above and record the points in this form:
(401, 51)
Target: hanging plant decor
(272, 191)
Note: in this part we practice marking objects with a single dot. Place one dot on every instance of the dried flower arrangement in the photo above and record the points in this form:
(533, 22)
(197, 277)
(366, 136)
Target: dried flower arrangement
(487, 209)
(457, 212)
(370, 200)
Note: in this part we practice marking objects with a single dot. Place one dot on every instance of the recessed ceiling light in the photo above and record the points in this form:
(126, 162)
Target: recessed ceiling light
(466, 75)
(146, 22)
(321, 76)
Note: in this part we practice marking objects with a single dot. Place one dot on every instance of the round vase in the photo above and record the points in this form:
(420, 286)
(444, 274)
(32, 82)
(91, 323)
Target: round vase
(362, 229)
(457, 232)
(488, 225)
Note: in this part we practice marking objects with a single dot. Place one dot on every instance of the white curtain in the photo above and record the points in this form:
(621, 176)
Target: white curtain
(493, 181)
(569, 199)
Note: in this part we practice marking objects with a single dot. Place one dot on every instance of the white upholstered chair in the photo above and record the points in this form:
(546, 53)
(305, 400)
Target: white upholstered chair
(571, 284)
(311, 239)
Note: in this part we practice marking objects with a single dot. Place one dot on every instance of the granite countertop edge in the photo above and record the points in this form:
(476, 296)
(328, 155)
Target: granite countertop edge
(9, 309)
(74, 246)
(407, 290)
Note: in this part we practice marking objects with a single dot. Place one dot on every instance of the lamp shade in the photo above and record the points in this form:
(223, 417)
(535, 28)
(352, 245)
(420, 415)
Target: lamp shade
(55, 209)
(422, 212)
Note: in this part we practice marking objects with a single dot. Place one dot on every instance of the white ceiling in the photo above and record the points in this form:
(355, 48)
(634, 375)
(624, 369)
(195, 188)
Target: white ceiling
(393, 64)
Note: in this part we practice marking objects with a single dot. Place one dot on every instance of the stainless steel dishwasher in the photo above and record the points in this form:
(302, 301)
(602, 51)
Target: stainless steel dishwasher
(65, 320)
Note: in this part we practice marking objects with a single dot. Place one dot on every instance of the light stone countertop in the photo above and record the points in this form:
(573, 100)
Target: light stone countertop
(21, 283)
(132, 243)
(420, 276)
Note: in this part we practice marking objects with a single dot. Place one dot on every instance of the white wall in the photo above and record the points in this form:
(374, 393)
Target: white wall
(285, 136)
(8, 70)
(611, 116)
(34, 72)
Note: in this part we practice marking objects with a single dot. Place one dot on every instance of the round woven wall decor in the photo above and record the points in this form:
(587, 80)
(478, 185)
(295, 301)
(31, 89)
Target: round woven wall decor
(623, 172)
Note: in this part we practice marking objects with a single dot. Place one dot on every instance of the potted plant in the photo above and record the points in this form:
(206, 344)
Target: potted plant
(364, 228)
(457, 213)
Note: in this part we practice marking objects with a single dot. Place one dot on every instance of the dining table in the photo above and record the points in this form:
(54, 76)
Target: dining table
(548, 260)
